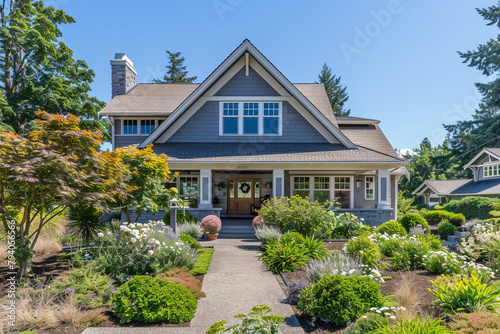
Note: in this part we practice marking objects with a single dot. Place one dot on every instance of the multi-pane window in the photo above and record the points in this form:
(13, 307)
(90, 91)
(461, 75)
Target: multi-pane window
(491, 170)
(301, 186)
(271, 118)
(369, 187)
(230, 118)
(321, 188)
(188, 186)
(250, 118)
(342, 192)
(129, 127)
(147, 126)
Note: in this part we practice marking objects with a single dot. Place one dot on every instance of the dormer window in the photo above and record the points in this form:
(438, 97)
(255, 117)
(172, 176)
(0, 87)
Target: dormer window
(491, 170)
(250, 119)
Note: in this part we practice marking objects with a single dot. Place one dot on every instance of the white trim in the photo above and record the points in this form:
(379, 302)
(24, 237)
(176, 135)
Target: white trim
(373, 188)
(205, 174)
(483, 151)
(139, 120)
(112, 121)
(492, 165)
(381, 174)
(278, 174)
(241, 117)
(246, 46)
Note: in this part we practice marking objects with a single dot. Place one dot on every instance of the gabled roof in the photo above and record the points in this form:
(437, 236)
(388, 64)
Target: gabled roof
(245, 47)
(441, 187)
(355, 120)
(495, 152)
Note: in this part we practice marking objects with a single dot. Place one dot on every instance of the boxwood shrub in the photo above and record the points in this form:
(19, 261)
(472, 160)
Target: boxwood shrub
(340, 299)
(147, 299)
(392, 227)
(472, 207)
(410, 220)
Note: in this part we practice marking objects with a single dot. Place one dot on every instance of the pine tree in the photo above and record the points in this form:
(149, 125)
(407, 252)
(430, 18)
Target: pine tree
(336, 93)
(467, 138)
(176, 72)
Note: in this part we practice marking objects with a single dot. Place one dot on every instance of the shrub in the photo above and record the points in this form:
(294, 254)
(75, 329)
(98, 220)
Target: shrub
(482, 245)
(193, 229)
(285, 257)
(436, 216)
(340, 299)
(442, 262)
(415, 325)
(201, 265)
(137, 249)
(189, 241)
(445, 228)
(296, 214)
(457, 219)
(257, 221)
(147, 299)
(410, 220)
(478, 322)
(292, 236)
(211, 224)
(260, 320)
(90, 288)
(391, 227)
(432, 242)
(267, 234)
(410, 256)
(472, 207)
(366, 249)
(348, 225)
(467, 295)
(367, 323)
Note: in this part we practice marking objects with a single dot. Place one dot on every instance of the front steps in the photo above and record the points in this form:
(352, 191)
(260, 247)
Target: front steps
(237, 232)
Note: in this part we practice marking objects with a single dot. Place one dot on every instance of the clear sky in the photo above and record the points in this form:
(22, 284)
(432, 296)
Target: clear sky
(398, 59)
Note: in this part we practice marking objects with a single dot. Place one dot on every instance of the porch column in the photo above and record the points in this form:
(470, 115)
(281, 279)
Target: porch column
(278, 183)
(205, 189)
(383, 189)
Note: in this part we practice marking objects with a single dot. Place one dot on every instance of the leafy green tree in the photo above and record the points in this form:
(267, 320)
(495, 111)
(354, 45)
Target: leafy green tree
(143, 172)
(430, 163)
(44, 173)
(468, 137)
(38, 71)
(176, 71)
(336, 93)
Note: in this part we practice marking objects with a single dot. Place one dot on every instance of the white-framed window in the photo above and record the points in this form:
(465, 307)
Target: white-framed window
(147, 126)
(188, 186)
(129, 126)
(302, 186)
(342, 191)
(321, 188)
(369, 187)
(491, 170)
(251, 118)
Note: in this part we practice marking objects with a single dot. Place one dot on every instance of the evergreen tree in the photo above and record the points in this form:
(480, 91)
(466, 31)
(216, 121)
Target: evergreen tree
(336, 93)
(176, 72)
(38, 71)
(468, 137)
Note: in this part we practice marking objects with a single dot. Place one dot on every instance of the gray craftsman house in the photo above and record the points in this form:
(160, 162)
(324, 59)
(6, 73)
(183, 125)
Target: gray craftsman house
(246, 134)
(485, 168)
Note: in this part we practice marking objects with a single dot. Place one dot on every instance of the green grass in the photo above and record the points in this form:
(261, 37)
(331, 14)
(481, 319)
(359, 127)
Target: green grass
(390, 301)
(201, 265)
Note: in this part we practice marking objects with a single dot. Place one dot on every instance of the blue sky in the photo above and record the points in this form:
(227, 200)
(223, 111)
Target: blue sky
(398, 59)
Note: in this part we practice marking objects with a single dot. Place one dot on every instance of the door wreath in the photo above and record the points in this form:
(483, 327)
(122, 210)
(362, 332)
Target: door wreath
(245, 188)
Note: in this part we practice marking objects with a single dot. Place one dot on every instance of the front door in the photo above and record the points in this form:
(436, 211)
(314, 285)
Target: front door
(241, 194)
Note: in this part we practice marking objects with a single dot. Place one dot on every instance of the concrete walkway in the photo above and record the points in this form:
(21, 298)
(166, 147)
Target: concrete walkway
(235, 282)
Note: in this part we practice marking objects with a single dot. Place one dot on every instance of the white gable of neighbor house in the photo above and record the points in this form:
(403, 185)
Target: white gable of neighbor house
(206, 98)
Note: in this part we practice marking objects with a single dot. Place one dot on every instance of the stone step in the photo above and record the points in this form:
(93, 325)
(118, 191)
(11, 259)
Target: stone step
(237, 228)
(453, 238)
(460, 234)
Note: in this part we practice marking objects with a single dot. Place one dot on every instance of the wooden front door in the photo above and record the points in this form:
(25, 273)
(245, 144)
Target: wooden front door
(241, 194)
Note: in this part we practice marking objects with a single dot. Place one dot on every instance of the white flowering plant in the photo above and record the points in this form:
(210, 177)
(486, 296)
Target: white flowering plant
(141, 249)
(483, 244)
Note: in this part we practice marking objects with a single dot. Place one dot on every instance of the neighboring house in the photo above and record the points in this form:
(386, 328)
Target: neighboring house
(246, 133)
(486, 182)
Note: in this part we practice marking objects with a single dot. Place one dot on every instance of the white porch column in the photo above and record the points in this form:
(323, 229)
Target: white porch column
(205, 189)
(278, 183)
(383, 201)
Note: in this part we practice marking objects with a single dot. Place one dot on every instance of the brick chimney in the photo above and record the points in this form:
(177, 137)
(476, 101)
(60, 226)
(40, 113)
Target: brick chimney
(122, 74)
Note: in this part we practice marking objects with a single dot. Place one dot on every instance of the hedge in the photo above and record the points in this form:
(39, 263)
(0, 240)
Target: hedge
(473, 207)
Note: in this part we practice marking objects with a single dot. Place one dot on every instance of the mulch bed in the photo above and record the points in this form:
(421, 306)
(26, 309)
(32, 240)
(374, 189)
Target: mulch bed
(421, 279)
